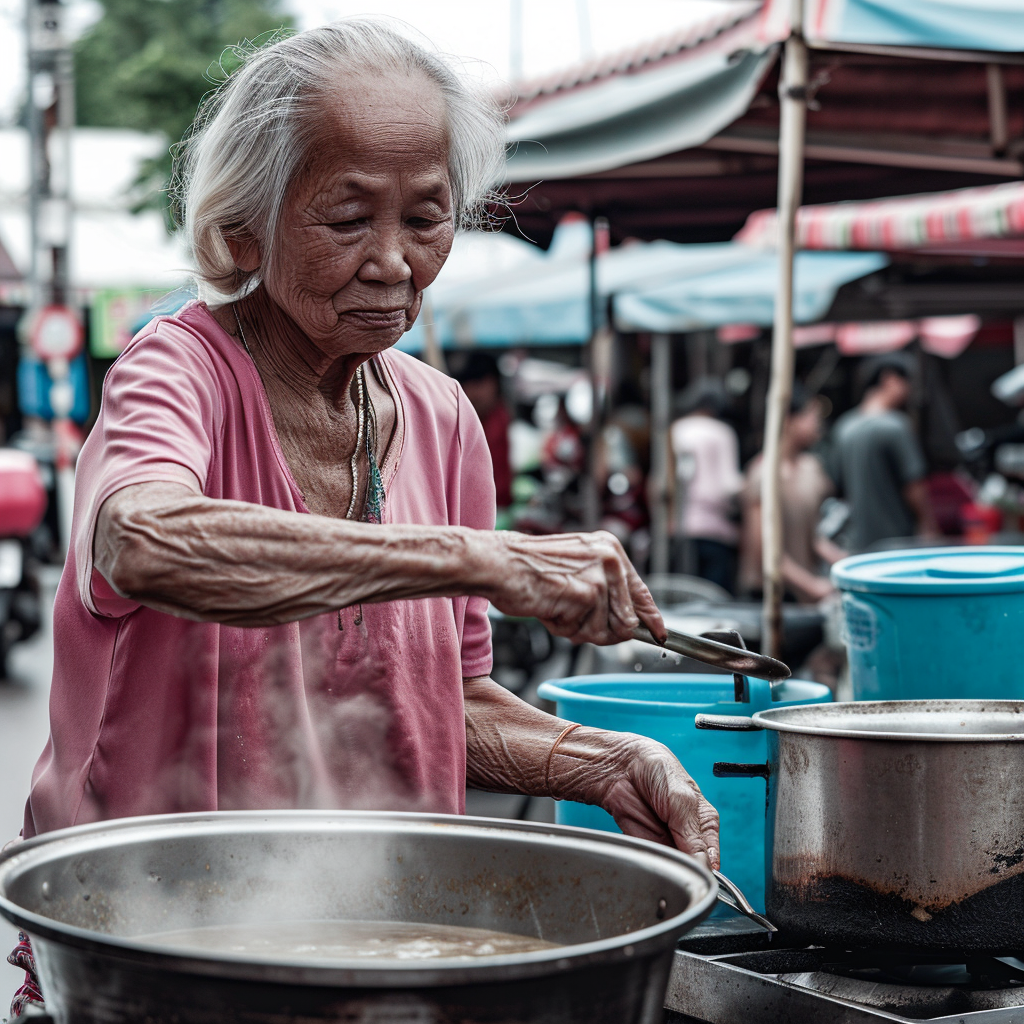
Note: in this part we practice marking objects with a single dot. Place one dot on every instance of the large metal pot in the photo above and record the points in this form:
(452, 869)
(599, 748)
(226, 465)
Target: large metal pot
(894, 824)
(618, 904)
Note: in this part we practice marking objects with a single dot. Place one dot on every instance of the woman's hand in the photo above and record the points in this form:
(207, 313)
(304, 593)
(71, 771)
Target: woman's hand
(512, 747)
(656, 799)
(580, 585)
(641, 784)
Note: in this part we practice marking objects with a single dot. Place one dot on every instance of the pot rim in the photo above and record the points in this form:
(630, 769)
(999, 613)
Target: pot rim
(557, 690)
(353, 973)
(775, 720)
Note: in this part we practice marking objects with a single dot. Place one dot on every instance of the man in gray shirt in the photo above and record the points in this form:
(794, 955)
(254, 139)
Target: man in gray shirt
(878, 464)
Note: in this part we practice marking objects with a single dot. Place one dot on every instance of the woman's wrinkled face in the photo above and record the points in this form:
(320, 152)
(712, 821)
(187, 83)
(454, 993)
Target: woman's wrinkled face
(367, 223)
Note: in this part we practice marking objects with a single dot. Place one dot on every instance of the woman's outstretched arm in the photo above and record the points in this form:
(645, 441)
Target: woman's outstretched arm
(171, 548)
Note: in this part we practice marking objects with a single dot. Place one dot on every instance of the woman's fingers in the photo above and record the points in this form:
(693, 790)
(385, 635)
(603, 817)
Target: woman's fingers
(676, 800)
(581, 586)
(642, 785)
(697, 831)
(646, 610)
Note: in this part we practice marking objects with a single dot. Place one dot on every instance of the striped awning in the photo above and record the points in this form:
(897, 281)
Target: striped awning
(946, 336)
(902, 223)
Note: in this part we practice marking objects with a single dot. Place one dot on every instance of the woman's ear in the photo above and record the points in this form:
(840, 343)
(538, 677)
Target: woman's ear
(245, 251)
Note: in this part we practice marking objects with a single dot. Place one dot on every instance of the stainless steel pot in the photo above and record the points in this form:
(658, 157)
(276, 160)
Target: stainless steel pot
(894, 823)
(617, 904)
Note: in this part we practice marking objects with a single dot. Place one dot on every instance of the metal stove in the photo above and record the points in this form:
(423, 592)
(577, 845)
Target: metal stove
(727, 972)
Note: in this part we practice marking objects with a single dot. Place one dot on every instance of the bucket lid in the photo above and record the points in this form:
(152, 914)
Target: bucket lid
(935, 571)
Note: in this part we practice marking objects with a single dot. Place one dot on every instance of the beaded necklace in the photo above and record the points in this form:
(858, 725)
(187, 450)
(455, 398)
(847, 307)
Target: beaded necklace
(366, 439)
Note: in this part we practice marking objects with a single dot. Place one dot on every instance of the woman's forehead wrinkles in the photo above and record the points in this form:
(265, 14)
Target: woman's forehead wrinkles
(369, 138)
(379, 150)
(344, 182)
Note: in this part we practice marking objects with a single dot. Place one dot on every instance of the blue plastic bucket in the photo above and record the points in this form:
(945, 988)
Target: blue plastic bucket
(934, 622)
(663, 707)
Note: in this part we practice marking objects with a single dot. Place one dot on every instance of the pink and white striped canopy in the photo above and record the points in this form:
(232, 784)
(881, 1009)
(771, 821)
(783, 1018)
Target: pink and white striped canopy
(902, 223)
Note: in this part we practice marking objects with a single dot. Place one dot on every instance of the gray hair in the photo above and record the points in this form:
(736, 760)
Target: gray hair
(255, 131)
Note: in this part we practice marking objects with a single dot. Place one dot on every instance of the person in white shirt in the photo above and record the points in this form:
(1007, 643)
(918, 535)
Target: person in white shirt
(706, 465)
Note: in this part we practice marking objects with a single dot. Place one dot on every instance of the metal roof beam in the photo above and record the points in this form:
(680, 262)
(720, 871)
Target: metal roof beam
(923, 157)
(919, 52)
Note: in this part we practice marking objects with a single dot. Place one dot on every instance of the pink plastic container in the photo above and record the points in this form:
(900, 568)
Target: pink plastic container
(22, 495)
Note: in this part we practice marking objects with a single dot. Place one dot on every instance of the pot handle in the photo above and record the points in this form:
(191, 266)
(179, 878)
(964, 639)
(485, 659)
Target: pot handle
(730, 895)
(727, 723)
(732, 770)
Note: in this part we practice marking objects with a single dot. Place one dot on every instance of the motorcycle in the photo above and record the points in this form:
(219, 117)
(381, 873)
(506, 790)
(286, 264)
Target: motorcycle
(23, 503)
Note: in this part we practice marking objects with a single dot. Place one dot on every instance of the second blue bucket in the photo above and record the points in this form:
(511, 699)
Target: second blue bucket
(934, 622)
(663, 707)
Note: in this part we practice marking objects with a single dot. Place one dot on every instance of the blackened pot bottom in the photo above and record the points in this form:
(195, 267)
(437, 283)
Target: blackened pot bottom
(835, 911)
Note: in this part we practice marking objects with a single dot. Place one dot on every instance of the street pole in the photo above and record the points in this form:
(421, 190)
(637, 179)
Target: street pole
(792, 125)
(515, 40)
(51, 119)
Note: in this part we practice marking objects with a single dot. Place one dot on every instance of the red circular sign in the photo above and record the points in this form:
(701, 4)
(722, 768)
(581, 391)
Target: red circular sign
(57, 333)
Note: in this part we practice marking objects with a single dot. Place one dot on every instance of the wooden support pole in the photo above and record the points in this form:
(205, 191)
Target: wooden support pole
(596, 360)
(661, 423)
(792, 126)
(998, 121)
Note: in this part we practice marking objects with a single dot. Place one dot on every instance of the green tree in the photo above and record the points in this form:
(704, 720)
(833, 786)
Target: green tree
(146, 64)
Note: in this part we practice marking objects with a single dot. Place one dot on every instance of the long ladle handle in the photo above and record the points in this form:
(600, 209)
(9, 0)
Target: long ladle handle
(711, 652)
(730, 895)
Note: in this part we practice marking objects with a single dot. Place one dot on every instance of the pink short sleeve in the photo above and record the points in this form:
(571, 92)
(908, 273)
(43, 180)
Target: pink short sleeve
(477, 510)
(161, 403)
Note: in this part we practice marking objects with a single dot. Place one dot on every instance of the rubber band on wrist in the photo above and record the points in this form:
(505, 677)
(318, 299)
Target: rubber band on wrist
(551, 753)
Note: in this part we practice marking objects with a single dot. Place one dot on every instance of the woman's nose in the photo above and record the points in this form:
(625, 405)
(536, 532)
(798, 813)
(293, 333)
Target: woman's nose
(386, 260)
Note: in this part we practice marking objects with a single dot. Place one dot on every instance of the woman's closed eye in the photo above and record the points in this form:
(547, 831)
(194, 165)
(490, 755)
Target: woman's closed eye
(349, 225)
(425, 223)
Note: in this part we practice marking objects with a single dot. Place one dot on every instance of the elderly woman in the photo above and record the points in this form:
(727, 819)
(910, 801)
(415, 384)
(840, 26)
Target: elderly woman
(283, 548)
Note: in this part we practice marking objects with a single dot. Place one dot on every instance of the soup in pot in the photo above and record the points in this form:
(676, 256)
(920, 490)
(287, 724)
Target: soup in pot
(347, 940)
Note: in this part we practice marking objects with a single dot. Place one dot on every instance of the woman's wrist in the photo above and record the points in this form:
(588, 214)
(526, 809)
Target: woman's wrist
(587, 762)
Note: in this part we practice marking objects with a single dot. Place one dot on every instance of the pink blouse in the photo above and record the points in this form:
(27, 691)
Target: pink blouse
(150, 713)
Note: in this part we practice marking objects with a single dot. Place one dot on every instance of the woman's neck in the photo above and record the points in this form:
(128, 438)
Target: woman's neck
(289, 363)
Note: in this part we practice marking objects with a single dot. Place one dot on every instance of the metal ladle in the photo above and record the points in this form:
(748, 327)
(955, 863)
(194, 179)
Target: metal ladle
(711, 652)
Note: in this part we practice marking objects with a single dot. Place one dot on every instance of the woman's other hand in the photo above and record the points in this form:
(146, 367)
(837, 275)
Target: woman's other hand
(512, 747)
(580, 585)
(641, 784)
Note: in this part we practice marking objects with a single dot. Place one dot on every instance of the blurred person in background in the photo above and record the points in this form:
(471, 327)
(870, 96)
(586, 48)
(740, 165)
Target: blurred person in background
(878, 465)
(478, 374)
(804, 485)
(707, 481)
(620, 472)
(563, 458)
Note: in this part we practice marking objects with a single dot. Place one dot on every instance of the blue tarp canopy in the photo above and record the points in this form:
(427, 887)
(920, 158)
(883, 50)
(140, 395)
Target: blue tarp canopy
(990, 25)
(678, 93)
(743, 293)
(656, 286)
(635, 117)
(638, 104)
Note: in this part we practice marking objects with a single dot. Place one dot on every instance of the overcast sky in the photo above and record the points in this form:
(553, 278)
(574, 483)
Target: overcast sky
(553, 31)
